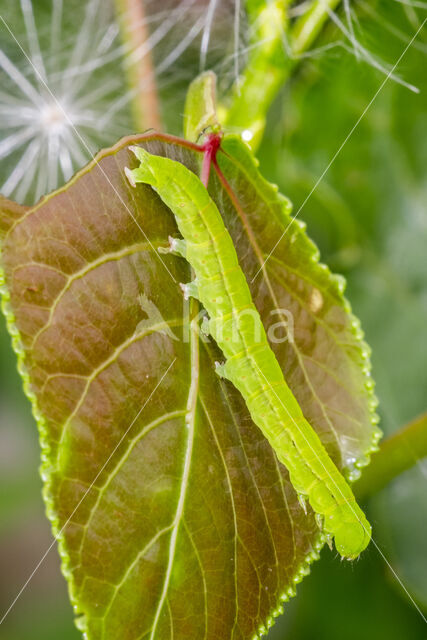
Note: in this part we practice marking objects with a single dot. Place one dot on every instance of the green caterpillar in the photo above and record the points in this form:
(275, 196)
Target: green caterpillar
(251, 365)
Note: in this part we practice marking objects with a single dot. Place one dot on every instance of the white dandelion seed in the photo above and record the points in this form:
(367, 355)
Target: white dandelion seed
(63, 94)
(44, 100)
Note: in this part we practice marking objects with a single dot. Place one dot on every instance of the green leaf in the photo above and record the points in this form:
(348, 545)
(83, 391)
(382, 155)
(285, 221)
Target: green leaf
(200, 107)
(173, 515)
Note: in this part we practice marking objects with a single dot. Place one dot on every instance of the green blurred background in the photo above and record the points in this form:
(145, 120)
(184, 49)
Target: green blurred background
(369, 218)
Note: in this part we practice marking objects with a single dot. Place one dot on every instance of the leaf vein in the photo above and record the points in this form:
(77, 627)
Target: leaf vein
(104, 487)
(78, 275)
(104, 365)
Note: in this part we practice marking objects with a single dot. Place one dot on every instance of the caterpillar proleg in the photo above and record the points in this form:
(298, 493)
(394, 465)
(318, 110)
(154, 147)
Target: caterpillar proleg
(250, 364)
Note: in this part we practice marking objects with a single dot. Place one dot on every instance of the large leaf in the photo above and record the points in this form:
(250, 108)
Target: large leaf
(173, 515)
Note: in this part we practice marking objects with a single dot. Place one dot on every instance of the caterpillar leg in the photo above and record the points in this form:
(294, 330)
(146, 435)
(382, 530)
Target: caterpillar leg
(204, 327)
(130, 178)
(190, 290)
(302, 499)
(320, 521)
(220, 369)
(177, 246)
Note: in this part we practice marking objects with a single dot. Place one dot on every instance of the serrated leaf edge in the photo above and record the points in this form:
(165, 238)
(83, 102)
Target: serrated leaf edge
(45, 467)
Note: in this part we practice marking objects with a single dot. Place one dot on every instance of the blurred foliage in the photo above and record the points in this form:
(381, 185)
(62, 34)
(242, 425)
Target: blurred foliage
(369, 218)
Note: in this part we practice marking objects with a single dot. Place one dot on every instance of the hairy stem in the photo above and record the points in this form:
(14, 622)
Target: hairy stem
(276, 50)
(139, 65)
(397, 453)
(307, 27)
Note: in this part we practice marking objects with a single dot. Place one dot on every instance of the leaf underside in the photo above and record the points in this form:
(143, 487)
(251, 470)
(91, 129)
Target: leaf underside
(167, 527)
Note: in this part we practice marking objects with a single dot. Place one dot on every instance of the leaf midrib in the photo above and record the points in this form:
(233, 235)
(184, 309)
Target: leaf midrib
(190, 420)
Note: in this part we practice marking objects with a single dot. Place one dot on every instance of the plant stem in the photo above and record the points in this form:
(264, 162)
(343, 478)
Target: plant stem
(307, 27)
(397, 453)
(270, 63)
(265, 72)
(139, 64)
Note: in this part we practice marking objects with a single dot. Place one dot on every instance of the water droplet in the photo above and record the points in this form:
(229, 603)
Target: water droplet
(354, 475)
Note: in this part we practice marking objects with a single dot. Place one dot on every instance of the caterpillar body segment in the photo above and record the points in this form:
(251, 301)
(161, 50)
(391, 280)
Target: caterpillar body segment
(251, 365)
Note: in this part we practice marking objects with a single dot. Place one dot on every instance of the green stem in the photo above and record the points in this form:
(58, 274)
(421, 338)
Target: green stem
(139, 65)
(276, 51)
(397, 453)
(308, 27)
